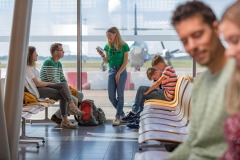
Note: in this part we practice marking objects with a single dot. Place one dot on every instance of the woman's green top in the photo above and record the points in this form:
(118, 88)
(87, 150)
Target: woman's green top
(116, 57)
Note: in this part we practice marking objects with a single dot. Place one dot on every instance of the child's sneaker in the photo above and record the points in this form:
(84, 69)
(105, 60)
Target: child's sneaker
(134, 124)
(129, 117)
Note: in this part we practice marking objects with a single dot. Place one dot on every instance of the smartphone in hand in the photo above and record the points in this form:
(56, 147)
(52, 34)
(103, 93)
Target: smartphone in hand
(99, 48)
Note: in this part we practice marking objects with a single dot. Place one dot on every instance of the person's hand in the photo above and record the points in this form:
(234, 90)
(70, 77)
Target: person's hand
(100, 52)
(117, 77)
(145, 93)
(50, 83)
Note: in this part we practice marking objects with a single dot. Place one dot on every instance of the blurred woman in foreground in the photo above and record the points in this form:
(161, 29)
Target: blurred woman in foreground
(230, 28)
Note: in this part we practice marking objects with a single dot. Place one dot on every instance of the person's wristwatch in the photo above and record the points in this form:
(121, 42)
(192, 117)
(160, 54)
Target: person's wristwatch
(103, 55)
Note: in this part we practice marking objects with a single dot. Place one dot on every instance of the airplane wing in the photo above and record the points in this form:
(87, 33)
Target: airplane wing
(177, 55)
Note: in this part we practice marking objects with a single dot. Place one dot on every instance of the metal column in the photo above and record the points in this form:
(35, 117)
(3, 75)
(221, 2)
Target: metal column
(4, 151)
(194, 68)
(16, 72)
(79, 46)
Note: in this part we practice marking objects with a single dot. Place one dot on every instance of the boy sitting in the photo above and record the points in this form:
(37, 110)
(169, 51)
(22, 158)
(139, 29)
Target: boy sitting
(163, 88)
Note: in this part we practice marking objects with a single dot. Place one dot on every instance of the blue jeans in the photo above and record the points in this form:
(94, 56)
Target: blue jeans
(140, 97)
(113, 88)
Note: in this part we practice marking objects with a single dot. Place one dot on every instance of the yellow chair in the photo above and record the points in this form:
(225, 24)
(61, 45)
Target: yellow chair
(178, 94)
(167, 103)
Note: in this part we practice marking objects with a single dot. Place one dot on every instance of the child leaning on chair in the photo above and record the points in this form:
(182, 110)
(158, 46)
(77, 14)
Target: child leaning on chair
(163, 88)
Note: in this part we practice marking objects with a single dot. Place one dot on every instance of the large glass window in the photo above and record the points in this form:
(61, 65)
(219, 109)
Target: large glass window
(144, 25)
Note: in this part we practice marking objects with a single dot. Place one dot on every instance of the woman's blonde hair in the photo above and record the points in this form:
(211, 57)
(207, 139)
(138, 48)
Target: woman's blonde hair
(118, 42)
(232, 13)
(31, 50)
(233, 91)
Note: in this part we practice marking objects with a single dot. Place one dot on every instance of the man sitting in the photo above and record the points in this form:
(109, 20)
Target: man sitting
(51, 71)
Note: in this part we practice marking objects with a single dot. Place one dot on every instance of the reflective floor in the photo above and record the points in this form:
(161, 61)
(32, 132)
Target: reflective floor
(103, 142)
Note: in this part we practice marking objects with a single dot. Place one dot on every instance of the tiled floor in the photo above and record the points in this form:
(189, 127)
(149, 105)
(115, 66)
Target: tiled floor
(103, 142)
(101, 100)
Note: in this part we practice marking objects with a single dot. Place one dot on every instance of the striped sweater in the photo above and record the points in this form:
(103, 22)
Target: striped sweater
(169, 84)
(52, 71)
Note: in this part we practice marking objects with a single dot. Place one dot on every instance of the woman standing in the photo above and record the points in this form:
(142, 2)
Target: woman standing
(56, 91)
(116, 55)
(230, 28)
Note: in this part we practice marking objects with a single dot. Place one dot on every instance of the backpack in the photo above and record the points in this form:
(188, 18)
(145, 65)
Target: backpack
(93, 115)
(101, 116)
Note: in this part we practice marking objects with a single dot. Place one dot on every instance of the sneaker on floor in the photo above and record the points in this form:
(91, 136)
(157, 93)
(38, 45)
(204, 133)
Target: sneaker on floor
(116, 122)
(121, 118)
(129, 117)
(134, 124)
(76, 111)
(134, 118)
(122, 121)
(69, 125)
(55, 119)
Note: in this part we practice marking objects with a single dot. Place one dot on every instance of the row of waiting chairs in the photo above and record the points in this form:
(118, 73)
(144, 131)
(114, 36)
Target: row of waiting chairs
(27, 112)
(165, 122)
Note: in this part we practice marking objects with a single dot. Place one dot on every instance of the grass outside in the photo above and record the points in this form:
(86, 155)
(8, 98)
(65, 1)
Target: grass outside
(96, 64)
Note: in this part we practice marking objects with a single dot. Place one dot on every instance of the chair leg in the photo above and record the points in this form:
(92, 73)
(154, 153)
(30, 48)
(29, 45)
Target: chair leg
(23, 139)
(154, 144)
(28, 142)
(32, 138)
(45, 120)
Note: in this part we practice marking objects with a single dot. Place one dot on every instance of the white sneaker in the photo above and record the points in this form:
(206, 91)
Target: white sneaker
(69, 125)
(116, 122)
(122, 121)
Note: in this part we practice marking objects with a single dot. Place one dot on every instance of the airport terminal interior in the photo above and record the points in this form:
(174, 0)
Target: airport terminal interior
(80, 26)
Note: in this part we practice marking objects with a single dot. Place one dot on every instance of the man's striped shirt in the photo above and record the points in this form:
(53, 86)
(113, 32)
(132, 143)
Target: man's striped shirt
(52, 71)
(169, 84)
